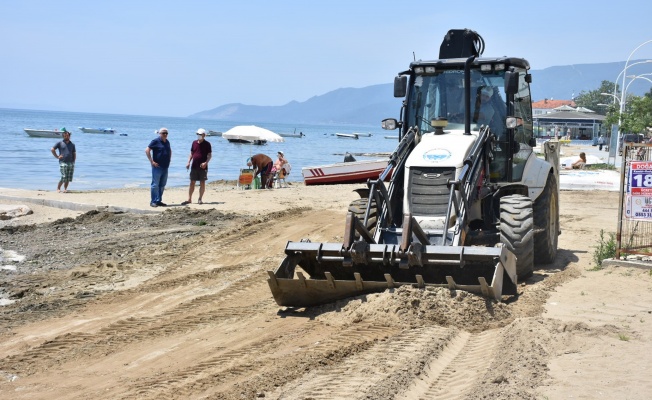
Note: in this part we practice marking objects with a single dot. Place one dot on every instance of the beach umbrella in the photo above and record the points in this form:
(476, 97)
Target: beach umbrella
(250, 133)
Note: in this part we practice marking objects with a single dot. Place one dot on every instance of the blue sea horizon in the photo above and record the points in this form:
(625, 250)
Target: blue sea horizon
(112, 161)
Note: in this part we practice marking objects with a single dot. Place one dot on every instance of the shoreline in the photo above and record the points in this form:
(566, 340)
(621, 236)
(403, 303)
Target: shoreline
(220, 195)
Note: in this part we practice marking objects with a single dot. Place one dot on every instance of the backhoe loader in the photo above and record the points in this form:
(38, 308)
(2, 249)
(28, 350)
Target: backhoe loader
(468, 206)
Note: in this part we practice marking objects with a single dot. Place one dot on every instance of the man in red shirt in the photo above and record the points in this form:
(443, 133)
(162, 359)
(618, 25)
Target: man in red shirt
(262, 164)
(200, 155)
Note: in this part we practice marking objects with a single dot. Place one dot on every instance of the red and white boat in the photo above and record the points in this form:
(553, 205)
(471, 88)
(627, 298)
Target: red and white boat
(343, 172)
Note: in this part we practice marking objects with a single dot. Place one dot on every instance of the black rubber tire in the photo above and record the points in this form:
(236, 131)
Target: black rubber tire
(546, 221)
(517, 232)
(359, 206)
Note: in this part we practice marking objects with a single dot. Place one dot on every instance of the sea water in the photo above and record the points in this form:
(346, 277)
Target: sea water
(107, 161)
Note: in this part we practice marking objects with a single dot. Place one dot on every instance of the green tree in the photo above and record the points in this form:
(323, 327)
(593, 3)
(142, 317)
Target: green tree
(593, 98)
(638, 114)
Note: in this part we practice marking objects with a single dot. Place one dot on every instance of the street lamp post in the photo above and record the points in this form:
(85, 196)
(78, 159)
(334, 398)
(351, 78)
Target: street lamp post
(635, 77)
(624, 69)
(622, 93)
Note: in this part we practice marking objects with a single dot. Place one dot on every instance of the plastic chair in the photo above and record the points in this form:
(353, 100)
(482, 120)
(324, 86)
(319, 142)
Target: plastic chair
(279, 177)
(246, 178)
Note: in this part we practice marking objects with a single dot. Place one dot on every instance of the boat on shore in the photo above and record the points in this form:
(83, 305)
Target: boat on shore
(343, 172)
(44, 133)
(97, 130)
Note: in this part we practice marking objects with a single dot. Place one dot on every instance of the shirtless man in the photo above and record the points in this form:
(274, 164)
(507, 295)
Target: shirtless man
(262, 165)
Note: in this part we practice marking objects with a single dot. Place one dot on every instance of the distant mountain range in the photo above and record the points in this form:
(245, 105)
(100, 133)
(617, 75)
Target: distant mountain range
(369, 105)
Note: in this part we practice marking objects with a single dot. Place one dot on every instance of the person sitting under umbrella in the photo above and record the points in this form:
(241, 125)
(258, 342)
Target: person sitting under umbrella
(262, 164)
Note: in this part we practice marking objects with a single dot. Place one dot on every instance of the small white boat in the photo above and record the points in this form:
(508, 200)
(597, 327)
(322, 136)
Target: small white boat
(347, 135)
(391, 136)
(96, 130)
(213, 133)
(292, 135)
(362, 134)
(44, 133)
(344, 172)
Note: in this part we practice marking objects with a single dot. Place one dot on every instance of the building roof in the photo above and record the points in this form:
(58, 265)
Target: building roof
(550, 104)
(571, 115)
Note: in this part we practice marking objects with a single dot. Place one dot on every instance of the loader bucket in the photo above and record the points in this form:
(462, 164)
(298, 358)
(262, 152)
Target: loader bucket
(335, 273)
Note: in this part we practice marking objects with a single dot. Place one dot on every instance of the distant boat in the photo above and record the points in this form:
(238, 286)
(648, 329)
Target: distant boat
(96, 130)
(344, 172)
(362, 134)
(347, 135)
(292, 135)
(214, 133)
(391, 136)
(44, 133)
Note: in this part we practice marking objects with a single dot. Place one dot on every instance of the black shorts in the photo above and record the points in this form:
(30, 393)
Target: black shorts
(198, 174)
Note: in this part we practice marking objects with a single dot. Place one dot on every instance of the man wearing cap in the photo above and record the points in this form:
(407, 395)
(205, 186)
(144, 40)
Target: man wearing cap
(159, 154)
(485, 113)
(200, 156)
(67, 156)
(262, 165)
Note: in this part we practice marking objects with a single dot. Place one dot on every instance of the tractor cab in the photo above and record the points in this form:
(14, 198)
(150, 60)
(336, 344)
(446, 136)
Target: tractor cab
(465, 96)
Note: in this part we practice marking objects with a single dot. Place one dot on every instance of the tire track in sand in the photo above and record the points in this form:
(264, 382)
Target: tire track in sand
(270, 355)
(357, 376)
(454, 372)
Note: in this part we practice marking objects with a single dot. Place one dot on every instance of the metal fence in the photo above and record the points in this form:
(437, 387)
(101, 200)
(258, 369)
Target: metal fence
(634, 233)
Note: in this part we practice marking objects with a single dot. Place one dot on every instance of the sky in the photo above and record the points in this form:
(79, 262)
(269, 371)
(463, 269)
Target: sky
(176, 58)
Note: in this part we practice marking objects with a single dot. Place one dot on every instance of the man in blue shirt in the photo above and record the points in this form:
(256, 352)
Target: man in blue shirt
(67, 156)
(159, 154)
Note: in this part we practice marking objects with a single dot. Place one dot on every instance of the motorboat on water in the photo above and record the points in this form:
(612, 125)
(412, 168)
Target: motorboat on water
(96, 130)
(344, 172)
(248, 141)
(293, 135)
(347, 135)
(213, 133)
(45, 133)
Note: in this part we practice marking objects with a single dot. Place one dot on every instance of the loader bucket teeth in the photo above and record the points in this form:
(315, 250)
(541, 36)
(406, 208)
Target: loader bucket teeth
(331, 277)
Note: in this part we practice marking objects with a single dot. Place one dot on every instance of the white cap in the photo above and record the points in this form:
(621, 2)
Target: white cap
(201, 131)
(281, 153)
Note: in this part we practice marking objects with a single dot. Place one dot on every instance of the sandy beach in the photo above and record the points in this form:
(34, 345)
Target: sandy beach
(108, 298)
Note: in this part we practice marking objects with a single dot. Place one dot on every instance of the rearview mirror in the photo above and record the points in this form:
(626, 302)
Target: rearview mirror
(511, 82)
(400, 86)
(389, 124)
